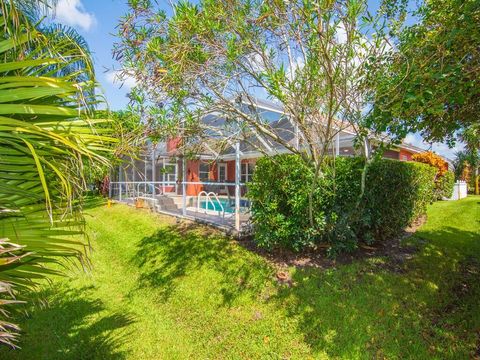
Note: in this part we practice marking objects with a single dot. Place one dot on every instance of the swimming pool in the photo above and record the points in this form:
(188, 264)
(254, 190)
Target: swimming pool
(229, 208)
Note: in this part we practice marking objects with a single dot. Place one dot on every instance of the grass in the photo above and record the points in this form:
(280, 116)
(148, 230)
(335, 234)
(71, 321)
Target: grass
(159, 290)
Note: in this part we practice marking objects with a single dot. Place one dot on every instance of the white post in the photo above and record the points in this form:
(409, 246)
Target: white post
(184, 186)
(237, 186)
(297, 137)
(163, 179)
(337, 144)
(145, 172)
(120, 177)
(153, 170)
(133, 177)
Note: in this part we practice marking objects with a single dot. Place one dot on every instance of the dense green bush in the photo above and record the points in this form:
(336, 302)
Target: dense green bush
(280, 190)
(396, 194)
(444, 186)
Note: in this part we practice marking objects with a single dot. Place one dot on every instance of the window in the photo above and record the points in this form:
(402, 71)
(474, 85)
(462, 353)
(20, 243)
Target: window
(222, 172)
(247, 172)
(166, 172)
(169, 172)
(204, 172)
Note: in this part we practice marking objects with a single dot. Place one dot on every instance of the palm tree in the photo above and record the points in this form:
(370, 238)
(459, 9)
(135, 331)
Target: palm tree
(47, 136)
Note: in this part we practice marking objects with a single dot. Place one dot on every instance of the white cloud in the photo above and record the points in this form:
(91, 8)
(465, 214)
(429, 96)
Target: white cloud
(115, 77)
(440, 148)
(72, 12)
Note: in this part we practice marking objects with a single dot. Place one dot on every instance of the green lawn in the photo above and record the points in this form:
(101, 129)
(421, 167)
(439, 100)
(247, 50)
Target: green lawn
(158, 290)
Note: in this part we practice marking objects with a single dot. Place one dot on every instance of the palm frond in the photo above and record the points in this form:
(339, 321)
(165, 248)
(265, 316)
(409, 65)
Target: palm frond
(46, 136)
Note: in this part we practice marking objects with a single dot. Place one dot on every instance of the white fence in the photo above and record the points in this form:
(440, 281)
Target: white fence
(459, 190)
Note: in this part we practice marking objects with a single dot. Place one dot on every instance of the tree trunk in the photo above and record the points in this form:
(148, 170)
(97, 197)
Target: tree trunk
(310, 195)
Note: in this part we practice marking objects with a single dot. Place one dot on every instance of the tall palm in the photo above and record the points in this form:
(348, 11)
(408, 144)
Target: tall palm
(46, 138)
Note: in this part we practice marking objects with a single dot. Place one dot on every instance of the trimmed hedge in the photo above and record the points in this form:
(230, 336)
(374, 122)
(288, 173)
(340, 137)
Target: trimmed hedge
(396, 194)
(444, 185)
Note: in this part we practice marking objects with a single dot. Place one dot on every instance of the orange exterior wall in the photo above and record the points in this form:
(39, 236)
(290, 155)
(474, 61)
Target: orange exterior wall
(231, 168)
(193, 175)
(172, 144)
(231, 171)
(193, 169)
(405, 155)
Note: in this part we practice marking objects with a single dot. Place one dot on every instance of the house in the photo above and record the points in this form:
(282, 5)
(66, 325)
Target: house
(207, 186)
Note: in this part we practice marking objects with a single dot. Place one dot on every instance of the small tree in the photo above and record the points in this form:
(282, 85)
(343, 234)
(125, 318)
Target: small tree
(318, 59)
(125, 126)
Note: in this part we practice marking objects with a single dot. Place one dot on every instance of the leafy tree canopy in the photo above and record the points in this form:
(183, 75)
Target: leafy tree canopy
(433, 81)
(317, 59)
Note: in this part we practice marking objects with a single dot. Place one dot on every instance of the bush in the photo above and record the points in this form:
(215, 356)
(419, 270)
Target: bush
(444, 179)
(432, 159)
(444, 186)
(396, 194)
(280, 190)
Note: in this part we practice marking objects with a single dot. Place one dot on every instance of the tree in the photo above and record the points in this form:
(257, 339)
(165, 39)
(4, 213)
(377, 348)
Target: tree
(47, 137)
(433, 83)
(318, 59)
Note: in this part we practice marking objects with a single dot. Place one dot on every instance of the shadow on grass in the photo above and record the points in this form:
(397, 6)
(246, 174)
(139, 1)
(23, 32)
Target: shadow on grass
(177, 251)
(71, 326)
(431, 309)
(360, 310)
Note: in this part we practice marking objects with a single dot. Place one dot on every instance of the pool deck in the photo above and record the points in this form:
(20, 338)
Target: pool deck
(209, 217)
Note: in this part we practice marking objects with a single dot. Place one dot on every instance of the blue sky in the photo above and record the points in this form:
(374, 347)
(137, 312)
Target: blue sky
(96, 20)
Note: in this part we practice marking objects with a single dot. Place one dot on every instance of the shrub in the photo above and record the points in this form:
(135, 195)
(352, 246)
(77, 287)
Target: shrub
(280, 190)
(432, 159)
(444, 179)
(396, 194)
(444, 186)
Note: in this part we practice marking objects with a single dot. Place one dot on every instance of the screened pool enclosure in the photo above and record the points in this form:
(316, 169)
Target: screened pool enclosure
(203, 189)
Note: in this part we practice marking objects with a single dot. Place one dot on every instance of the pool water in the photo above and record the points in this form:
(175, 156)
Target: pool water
(226, 206)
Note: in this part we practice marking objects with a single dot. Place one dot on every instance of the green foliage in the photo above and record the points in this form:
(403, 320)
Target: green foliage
(396, 194)
(433, 80)
(280, 193)
(127, 128)
(444, 185)
(47, 136)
